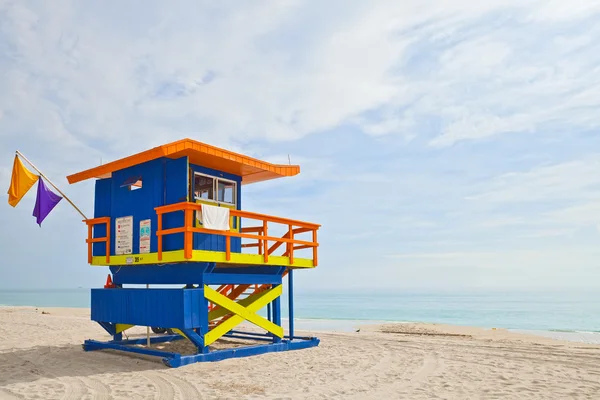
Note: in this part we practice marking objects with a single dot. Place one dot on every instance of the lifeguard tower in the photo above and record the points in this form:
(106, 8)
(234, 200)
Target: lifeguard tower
(172, 215)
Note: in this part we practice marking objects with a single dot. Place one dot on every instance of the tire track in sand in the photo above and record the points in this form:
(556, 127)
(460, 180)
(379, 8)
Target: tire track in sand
(100, 391)
(431, 363)
(74, 387)
(165, 390)
(168, 385)
(8, 395)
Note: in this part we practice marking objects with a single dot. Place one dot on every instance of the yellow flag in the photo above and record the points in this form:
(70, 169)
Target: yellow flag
(22, 180)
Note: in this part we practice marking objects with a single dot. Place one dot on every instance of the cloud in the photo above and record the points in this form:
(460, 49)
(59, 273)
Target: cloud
(437, 126)
(101, 81)
(569, 181)
(556, 10)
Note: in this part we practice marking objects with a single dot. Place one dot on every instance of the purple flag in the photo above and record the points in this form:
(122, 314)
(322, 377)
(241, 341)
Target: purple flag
(44, 203)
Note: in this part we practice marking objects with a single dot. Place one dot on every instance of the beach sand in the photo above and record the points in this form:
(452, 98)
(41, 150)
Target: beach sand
(41, 358)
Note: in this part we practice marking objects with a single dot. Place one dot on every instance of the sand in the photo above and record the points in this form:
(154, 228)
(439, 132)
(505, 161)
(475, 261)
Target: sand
(41, 358)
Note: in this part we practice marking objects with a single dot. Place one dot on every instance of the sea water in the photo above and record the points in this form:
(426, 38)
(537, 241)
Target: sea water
(571, 315)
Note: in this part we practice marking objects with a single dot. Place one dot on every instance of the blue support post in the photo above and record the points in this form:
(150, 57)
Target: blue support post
(204, 326)
(291, 302)
(269, 312)
(276, 315)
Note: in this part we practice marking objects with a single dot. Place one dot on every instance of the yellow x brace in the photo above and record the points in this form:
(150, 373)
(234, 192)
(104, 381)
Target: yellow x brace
(243, 310)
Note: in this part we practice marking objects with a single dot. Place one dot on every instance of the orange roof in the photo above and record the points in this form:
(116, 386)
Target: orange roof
(251, 170)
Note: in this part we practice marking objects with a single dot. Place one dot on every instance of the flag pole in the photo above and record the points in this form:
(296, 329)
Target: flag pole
(53, 185)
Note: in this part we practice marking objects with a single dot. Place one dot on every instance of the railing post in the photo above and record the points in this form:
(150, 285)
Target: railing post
(260, 242)
(159, 234)
(228, 247)
(314, 239)
(265, 242)
(89, 242)
(108, 240)
(187, 246)
(291, 302)
(291, 245)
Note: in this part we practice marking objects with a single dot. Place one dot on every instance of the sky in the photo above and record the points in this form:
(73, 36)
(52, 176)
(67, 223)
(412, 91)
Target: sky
(443, 145)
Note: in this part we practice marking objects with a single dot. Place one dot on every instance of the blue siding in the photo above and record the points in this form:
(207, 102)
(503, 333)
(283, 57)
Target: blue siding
(138, 203)
(204, 241)
(194, 273)
(171, 308)
(164, 181)
(101, 209)
(168, 274)
(176, 191)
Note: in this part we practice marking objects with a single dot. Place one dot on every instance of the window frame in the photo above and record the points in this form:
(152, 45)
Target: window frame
(132, 183)
(216, 180)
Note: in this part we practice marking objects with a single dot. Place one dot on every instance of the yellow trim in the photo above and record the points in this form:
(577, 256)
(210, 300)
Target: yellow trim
(177, 331)
(122, 327)
(201, 256)
(242, 313)
(221, 311)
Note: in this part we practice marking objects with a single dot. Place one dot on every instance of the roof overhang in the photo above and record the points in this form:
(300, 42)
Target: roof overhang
(250, 169)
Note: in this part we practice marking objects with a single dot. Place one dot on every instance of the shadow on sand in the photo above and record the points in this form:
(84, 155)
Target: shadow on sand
(28, 365)
(52, 362)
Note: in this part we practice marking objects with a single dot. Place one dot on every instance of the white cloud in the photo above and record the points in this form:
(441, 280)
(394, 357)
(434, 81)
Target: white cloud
(568, 181)
(84, 82)
(556, 10)
(283, 71)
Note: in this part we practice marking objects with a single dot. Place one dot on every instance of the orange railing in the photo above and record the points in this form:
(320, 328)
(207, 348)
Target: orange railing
(91, 239)
(258, 233)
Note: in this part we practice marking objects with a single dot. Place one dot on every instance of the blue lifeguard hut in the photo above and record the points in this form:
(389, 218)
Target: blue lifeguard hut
(172, 215)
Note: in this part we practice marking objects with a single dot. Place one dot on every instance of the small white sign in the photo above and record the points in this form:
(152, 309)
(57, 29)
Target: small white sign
(124, 235)
(145, 236)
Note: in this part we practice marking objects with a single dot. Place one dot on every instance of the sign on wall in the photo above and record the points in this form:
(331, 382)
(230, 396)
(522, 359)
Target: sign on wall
(124, 235)
(145, 236)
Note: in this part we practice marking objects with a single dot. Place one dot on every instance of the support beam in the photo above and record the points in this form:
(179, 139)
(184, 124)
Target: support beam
(291, 302)
(242, 312)
(269, 312)
(242, 352)
(240, 279)
(277, 313)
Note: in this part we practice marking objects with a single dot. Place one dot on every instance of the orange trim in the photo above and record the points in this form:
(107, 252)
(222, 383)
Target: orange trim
(260, 234)
(265, 241)
(290, 245)
(250, 229)
(250, 169)
(188, 246)
(228, 248)
(159, 229)
(91, 223)
(314, 238)
(234, 295)
(89, 243)
(225, 291)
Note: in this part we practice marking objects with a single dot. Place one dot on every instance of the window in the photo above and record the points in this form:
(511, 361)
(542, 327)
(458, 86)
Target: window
(203, 187)
(214, 189)
(226, 192)
(133, 183)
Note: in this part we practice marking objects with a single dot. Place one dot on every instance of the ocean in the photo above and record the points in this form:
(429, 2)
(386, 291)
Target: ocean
(570, 315)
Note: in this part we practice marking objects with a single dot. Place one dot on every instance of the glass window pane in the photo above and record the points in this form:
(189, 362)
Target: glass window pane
(203, 187)
(226, 192)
